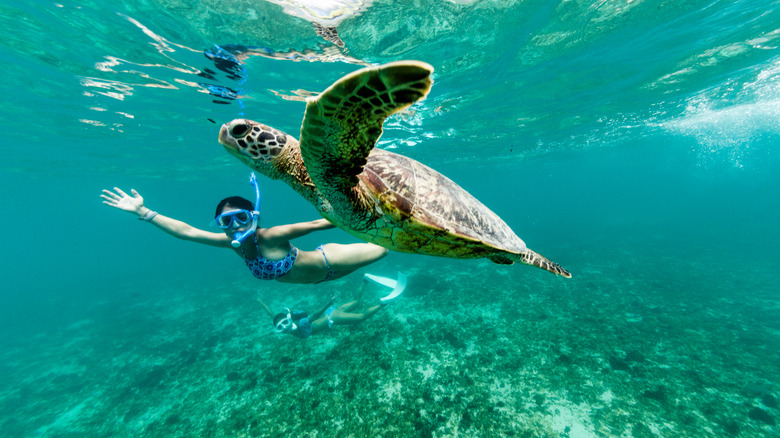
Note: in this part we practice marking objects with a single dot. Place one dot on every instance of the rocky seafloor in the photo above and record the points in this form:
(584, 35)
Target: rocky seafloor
(472, 349)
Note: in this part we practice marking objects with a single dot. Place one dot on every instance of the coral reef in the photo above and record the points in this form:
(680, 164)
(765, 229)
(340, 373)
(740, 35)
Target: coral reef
(505, 353)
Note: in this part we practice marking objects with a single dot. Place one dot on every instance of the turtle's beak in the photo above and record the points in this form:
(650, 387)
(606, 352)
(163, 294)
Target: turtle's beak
(227, 140)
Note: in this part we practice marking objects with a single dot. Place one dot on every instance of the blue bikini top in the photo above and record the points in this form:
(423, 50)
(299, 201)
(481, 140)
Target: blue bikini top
(265, 269)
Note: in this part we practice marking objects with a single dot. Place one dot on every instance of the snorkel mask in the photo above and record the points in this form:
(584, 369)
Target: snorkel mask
(286, 324)
(239, 237)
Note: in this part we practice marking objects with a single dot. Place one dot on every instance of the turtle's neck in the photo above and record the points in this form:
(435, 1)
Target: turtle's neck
(289, 168)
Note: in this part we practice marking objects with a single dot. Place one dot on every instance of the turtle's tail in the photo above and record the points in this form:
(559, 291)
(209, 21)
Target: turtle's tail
(535, 259)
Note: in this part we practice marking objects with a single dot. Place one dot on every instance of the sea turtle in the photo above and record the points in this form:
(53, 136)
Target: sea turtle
(374, 194)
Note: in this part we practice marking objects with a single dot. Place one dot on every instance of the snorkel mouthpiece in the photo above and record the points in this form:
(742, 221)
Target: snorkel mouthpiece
(239, 237)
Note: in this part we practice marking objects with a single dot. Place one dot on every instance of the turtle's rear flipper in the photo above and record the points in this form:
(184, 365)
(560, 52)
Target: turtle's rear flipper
(535, 259)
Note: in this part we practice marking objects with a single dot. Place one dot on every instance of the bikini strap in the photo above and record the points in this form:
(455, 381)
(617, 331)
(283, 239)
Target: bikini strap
(257, 245)
(243, 254)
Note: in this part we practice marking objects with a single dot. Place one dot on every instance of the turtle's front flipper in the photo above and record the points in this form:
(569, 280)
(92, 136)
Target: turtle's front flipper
(343, 124)
(535, 259)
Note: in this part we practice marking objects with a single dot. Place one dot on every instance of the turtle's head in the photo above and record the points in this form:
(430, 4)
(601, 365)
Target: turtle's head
(255, 144)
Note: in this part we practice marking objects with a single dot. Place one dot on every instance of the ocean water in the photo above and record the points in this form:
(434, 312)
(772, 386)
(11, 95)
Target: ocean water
(633, 142)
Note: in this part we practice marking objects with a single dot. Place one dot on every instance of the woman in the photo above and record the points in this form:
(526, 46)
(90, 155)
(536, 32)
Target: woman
(267, 252)
(302, 325)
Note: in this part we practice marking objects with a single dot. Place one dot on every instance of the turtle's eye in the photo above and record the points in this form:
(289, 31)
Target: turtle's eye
(239, 130)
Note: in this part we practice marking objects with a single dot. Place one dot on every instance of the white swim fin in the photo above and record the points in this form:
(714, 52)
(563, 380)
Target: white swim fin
(398, 285)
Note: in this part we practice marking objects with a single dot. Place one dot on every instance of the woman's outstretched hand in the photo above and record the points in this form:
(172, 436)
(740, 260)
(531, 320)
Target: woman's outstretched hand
(123, 201)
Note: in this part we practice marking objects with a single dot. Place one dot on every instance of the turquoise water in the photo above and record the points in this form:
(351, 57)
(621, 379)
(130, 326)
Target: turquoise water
(633, 142)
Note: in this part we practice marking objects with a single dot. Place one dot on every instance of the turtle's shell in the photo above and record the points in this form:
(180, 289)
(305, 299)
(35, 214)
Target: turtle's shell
(413, 208)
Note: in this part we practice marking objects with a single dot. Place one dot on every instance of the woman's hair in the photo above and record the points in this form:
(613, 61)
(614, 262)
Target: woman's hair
(235, 201)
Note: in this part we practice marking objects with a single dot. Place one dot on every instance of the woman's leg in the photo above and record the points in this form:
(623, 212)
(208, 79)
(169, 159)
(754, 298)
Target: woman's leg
(345, 308)
(345, 318)
(344, 259)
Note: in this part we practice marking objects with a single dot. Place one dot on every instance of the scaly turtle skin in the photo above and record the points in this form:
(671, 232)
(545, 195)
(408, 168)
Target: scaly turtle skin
(377, 195)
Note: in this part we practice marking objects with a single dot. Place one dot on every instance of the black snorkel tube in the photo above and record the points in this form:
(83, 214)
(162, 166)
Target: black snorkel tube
(239, 237)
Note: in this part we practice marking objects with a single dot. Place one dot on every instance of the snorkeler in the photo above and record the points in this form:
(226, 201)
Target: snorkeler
(267, 252)
(302, 325)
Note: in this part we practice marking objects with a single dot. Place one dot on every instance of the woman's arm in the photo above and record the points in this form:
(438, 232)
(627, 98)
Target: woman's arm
(267, 309)
(176, 228)
(288, 232)
(316, 315)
